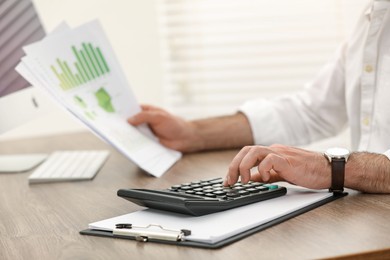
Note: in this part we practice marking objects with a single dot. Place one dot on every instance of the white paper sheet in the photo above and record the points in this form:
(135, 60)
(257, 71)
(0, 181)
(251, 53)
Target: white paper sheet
(216, 227)
(78, 68)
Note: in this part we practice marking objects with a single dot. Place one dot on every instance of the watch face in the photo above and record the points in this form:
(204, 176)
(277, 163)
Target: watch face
(337, 152)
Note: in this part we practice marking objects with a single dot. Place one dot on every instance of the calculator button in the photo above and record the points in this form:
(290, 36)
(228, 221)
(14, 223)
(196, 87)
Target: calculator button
(175, 187)
(261, 188)
(272, 186)
(211, 195)
(219, 193)
(243, 192)
(216, 181)
(252, 190)
(232, 194)
(256, 184)
(186, 188)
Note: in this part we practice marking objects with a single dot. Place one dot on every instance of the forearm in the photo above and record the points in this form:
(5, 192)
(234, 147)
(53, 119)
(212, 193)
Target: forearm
(368, 172)
(221, 132)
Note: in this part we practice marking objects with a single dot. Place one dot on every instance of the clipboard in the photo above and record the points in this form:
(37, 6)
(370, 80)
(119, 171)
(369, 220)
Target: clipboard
(182, 237)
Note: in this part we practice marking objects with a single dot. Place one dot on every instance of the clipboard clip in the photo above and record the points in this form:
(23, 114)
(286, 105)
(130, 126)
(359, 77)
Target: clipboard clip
(151, 231)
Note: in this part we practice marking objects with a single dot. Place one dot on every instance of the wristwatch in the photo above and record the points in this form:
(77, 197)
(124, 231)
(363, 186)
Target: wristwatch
(337, 157)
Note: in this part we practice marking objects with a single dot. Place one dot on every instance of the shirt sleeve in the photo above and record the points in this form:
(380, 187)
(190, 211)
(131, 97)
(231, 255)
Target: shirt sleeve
(317, 112)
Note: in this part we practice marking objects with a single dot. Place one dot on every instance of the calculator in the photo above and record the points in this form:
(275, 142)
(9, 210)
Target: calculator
(203, 196)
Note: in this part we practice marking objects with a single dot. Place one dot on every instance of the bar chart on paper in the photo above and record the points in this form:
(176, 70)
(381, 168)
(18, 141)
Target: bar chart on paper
(90, 64)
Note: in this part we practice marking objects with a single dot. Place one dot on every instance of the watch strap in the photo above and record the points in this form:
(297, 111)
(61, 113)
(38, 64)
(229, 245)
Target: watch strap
(338, 169)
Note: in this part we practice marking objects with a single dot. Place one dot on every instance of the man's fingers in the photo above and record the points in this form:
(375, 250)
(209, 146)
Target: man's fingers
(233, 172)
(270, 169)
(149, 117)
(137, 119)
(272, 177)
(253, 157)
(244, 161)
(146, 107)
(149, 114)
(271, 166)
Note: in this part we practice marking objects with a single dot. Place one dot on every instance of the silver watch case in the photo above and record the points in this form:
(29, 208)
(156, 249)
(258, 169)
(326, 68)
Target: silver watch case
(337, 153)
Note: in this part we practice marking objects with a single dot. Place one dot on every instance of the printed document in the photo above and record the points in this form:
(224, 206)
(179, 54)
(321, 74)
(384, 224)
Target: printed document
(78, 68)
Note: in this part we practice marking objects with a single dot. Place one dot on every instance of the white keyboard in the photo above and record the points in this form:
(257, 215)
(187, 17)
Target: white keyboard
(69, 166)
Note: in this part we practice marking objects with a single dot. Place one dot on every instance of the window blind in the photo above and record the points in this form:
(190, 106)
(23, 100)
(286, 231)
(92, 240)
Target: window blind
(19, 25)
(218, 53)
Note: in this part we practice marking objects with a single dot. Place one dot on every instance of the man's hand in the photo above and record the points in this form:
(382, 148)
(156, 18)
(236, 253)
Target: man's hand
(231, 131)
(367, 172)
(172, 131)
(280, 163)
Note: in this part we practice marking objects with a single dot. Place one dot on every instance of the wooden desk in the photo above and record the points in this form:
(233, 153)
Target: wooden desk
(43, 221)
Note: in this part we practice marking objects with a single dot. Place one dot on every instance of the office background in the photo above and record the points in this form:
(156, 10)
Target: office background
(200, 58)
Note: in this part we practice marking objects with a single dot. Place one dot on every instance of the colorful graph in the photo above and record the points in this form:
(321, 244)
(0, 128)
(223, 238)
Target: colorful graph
(90, 64)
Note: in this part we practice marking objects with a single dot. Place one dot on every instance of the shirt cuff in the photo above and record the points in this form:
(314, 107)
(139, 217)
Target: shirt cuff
(264, 122)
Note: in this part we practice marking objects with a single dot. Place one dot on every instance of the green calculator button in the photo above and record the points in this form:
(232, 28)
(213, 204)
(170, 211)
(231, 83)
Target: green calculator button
(272, 186)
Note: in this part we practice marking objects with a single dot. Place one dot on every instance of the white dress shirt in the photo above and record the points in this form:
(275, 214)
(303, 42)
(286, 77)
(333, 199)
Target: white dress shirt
(353, 89)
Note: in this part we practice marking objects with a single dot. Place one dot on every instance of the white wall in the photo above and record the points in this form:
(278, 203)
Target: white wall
(131, 26)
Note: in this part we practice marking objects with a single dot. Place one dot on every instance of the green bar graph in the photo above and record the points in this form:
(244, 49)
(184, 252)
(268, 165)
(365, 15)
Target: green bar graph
(102, 60)
(96, 59)
(90, 60)
(80, 71)
(89, 65)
